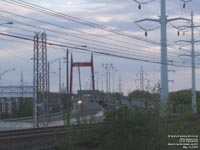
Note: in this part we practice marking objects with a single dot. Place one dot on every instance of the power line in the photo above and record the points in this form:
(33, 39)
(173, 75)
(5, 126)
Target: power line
(85, 33)
(94, 51)
(120, 51)
(77, 20)
(72, 35)
(142, 56)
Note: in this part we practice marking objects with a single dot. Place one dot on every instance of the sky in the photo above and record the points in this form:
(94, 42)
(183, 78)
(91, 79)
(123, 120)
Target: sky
(85, 23)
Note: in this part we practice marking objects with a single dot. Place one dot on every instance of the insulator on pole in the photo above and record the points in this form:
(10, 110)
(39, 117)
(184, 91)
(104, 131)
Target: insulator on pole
(178, 33)
(183, 33)
(183, 5)
(146, 33)
(139, 6)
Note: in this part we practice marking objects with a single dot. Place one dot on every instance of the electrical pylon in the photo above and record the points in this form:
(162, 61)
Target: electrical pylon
(163, 20)
(193, 55)
(142, 78)
(40, 81)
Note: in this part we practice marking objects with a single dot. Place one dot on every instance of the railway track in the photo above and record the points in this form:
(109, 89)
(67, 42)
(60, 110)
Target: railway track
(32, 131)
(41, 138)
(47, 138)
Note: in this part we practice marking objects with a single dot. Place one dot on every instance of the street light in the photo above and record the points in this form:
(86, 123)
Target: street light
(80, 104)
(1, 74)
(5, 71)
(58, 59)
(67, 61)
(67, 114)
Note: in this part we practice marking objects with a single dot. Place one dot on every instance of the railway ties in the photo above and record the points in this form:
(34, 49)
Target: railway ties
(40, 138)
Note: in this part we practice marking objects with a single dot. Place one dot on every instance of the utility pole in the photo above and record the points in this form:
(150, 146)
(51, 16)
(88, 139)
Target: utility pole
(109, 78)
(59, 76)
(59, 100)
(120, 85)
(67, 73)
(97, 80)
(163, 20)
(192, 41)
(48, 90)
(107, 68)
(22, 85)
(67, 103)
(48, 77)
(79, 77)
(102, 76)
(114, 70)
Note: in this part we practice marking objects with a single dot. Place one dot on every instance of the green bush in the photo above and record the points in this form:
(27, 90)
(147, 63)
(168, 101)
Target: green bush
(136, 129)
(133, 128)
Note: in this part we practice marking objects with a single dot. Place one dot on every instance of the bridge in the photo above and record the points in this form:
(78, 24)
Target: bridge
(16, 91)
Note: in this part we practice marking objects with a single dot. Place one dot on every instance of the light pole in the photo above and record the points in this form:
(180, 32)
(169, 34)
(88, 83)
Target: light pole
(5, 71)
(107, 68)
(80, 103)
(59, 70)
(66, 112)
(1, 74)
(9, 22)
(102, 87)
(97, 80)
(114, 70)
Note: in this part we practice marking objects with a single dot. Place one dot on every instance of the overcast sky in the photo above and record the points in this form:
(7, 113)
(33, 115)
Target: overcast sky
(114, 14)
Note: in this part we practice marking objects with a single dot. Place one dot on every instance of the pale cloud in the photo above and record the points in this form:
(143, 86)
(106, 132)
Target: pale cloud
(14, 8)
(114, 15)
(103, 19)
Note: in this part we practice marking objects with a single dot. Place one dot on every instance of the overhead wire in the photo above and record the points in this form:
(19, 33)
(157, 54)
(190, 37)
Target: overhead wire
(71, 34)
(62, 32)
(73, 18)
(77, 20)
(36, 5)
(90, 47)
(14, 56)
(98, 48)
(101, 46)
(94, 51)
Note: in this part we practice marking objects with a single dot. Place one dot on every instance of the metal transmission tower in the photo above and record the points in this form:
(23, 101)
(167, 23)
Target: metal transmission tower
(141, 78)
(163, 20)
(193, 55)
(107, 68)
(40, 81)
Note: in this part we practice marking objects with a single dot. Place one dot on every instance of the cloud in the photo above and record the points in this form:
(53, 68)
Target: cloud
(113, 14)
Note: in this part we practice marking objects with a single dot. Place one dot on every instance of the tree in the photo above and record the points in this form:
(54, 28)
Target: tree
(26, 109)
(180, 101)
